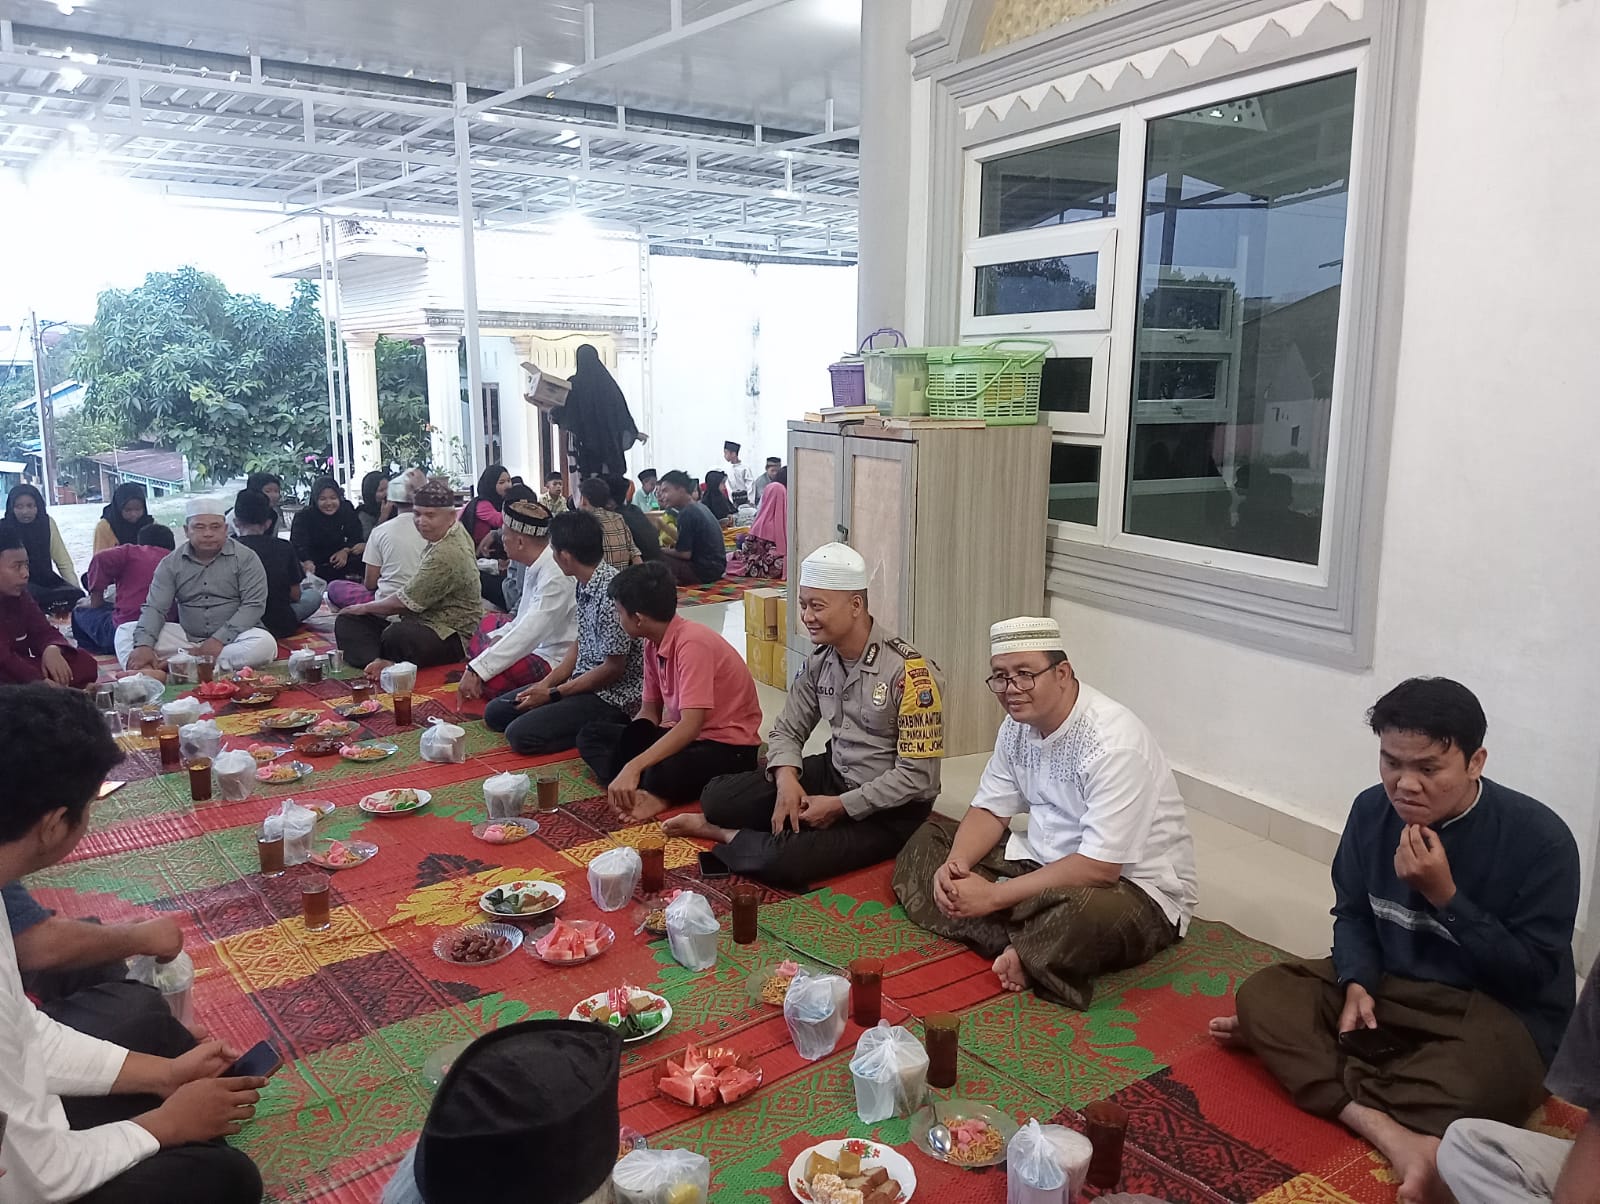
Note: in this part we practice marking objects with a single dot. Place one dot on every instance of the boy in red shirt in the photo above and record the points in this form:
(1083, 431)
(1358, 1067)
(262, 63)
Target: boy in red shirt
(699, 719)
(31, 649)
(129, 567)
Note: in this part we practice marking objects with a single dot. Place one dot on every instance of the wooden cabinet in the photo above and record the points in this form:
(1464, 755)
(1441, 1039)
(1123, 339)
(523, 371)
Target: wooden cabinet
(952, 526)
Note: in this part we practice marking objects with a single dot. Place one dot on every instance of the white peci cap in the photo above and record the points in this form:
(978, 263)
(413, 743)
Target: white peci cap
(834, 566)
(1025, 635)
(204, 505)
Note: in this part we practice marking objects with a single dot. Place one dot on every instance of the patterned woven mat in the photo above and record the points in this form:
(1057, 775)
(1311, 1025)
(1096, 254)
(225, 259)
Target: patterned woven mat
(357, 1009)
(726, 589)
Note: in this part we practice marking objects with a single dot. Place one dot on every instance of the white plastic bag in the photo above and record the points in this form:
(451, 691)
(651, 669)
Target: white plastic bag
(173, 979)
(180, 712)
(181, 668)
(236, 775)
(300, 662)
(662, 1177)
(202, 739)
(692, 930)
(504, 794)
(890, 1070)
(398, 678)
(1033, 1175)
(137, 690)
(444, 742)
(613, 876)
(295, 823)
(814, 1010)
(1073, 1152)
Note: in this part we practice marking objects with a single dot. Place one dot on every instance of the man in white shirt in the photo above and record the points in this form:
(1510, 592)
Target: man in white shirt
(395, 548)
(739, 475)
(506, 655)
(144, 1117)
(1104, 876)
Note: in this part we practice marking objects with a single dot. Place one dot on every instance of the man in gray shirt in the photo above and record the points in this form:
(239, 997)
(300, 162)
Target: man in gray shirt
(220, 588)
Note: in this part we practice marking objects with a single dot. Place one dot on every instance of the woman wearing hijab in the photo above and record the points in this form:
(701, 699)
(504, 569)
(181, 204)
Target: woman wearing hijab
(482, 518)
(123, 518)
(51, 576)
(327, 535)
(715, 497)
(374, 508)
(766, 548)
(596, 416)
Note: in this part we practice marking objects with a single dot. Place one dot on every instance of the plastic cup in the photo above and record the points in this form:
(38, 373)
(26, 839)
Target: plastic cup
(549, 792)
(167, 742)
(941, 1034)
(271, 851)
(866, 990)
(335, 662)
(150, 723)
(653, 860)
(314, 902)
(746, 905)
(205, 668)
(199, 778)
(360, 692)
(402, 710)
(314, 670)
(1106, 1125)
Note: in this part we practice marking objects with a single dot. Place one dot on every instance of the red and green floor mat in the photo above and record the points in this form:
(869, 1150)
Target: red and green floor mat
(357, 1009)
(724, 589)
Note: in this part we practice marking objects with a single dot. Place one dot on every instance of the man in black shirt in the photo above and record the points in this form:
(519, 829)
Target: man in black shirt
(287, 602)
(645, 536)
(700, 556)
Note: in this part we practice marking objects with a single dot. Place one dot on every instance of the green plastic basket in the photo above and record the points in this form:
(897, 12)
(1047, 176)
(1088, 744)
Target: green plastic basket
(997, 382)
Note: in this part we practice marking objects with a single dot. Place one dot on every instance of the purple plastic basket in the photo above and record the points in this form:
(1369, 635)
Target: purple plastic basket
(849, 383)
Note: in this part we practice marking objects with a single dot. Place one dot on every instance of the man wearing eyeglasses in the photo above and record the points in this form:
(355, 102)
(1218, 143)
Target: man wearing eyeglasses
(1102, 879)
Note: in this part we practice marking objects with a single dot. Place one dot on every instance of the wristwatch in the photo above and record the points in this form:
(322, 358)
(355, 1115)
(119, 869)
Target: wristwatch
(555, 693)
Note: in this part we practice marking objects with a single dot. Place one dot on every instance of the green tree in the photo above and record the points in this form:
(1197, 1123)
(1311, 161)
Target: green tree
(403, 436)
(79, 436)
(18, 427)
(235, 383)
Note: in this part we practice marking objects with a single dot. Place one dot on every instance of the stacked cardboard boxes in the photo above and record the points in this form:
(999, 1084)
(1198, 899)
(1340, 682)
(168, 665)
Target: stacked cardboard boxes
(766, 619)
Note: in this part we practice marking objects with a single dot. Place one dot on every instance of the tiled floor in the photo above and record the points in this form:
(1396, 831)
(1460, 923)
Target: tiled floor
(1264, 890)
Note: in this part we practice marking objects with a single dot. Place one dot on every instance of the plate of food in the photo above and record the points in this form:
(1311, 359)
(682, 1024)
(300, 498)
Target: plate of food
(572, 942)
(707, 1076)
(290, 721)
(479, 944)
(248, 678)
(770, 983)
(505, 831)
(355, 710)
(280, 772)
(875, 1173)
(522, 899)
(256, 698)
(652, 921)
(368, 750)
(978, 1133)
(214, 690)
(400, 801)
(634, 1012)
(335, 727)
(264, 753)
(342, 854)
(312, 745)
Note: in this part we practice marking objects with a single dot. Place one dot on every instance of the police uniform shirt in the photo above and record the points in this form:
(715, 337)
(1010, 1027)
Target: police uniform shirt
(885, 712)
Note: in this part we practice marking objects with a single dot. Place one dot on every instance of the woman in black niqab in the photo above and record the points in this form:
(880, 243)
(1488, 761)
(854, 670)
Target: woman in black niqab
(596, 416)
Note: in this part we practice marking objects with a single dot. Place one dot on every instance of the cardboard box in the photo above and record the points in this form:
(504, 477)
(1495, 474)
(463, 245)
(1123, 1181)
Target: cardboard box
(761, 613)
(755, 655)
(777, 664)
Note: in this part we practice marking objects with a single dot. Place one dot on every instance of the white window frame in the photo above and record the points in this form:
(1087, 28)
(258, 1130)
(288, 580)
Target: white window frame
(1098, 238)
(1094, 346)
(1120, 328)
(1060, 528)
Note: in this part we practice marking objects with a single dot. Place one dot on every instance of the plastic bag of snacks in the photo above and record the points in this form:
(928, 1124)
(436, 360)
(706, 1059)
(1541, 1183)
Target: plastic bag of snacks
(613, 876)
(137, 690)
(236, 774)
(504, 794)
(444, 742)
(180, 712)
(203, 739)
(890, 1070)
(662, 1177)
(814, 1010)
(1033, 1173)
(295, 824)
(173, 979)
(398, 678)
(692, 930)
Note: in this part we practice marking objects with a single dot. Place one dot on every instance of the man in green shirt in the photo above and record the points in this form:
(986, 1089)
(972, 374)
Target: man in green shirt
(430, 620)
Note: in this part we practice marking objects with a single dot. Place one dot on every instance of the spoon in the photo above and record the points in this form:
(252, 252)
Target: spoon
(939, 1139)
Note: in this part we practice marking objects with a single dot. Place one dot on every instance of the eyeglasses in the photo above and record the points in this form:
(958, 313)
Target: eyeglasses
(1022, 680)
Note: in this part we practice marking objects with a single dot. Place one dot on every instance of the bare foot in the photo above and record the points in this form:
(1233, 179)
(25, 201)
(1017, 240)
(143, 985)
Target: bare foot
(1008, 968)
(1414, 1156)
(695, 826)
(646, 806)
(1225, 1032)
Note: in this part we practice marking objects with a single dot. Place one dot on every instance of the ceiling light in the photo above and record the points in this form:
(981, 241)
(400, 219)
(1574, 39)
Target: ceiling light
(560, 67)
(844, 12)
(65, 7)
(494, 117)
(77, 127)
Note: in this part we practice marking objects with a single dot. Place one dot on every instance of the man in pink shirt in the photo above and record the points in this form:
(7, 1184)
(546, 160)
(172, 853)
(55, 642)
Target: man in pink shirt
(130, 567)
(699, 718)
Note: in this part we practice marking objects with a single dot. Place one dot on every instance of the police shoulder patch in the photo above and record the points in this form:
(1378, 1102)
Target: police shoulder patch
(905, 650)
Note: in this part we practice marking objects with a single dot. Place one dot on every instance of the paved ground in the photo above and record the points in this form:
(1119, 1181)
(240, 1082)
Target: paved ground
(77, 522)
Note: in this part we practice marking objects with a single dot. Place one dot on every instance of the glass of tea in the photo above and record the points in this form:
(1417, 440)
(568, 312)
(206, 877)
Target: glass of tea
(314, 670)
(360, 691)
(205, 668)
(1106, 1125)
(402, 710)
(271, 851)
(199, 778)
(167, 741)
(866, 990)
(150, 723)
(746, 905)
(549, 792)
(941, 1033)
(314, 902)
(653, 857)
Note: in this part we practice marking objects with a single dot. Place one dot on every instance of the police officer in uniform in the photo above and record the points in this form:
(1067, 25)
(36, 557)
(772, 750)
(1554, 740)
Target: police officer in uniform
(808, 818)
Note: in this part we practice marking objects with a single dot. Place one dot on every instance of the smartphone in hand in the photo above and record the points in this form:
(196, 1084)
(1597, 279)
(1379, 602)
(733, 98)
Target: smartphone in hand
(1374, 1045)
(260, 1061)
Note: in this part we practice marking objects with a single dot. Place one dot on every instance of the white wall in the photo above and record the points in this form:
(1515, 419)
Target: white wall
(739, 352)
(1491, 541)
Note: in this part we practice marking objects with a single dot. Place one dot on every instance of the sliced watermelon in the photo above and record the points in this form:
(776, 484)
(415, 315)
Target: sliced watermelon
(679, 1087)
(735, 1083)
(705, 1092)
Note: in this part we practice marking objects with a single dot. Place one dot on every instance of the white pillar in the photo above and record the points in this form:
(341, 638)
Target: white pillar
(883, 207)
(443, 350)
(467, 216)
(361, 360)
